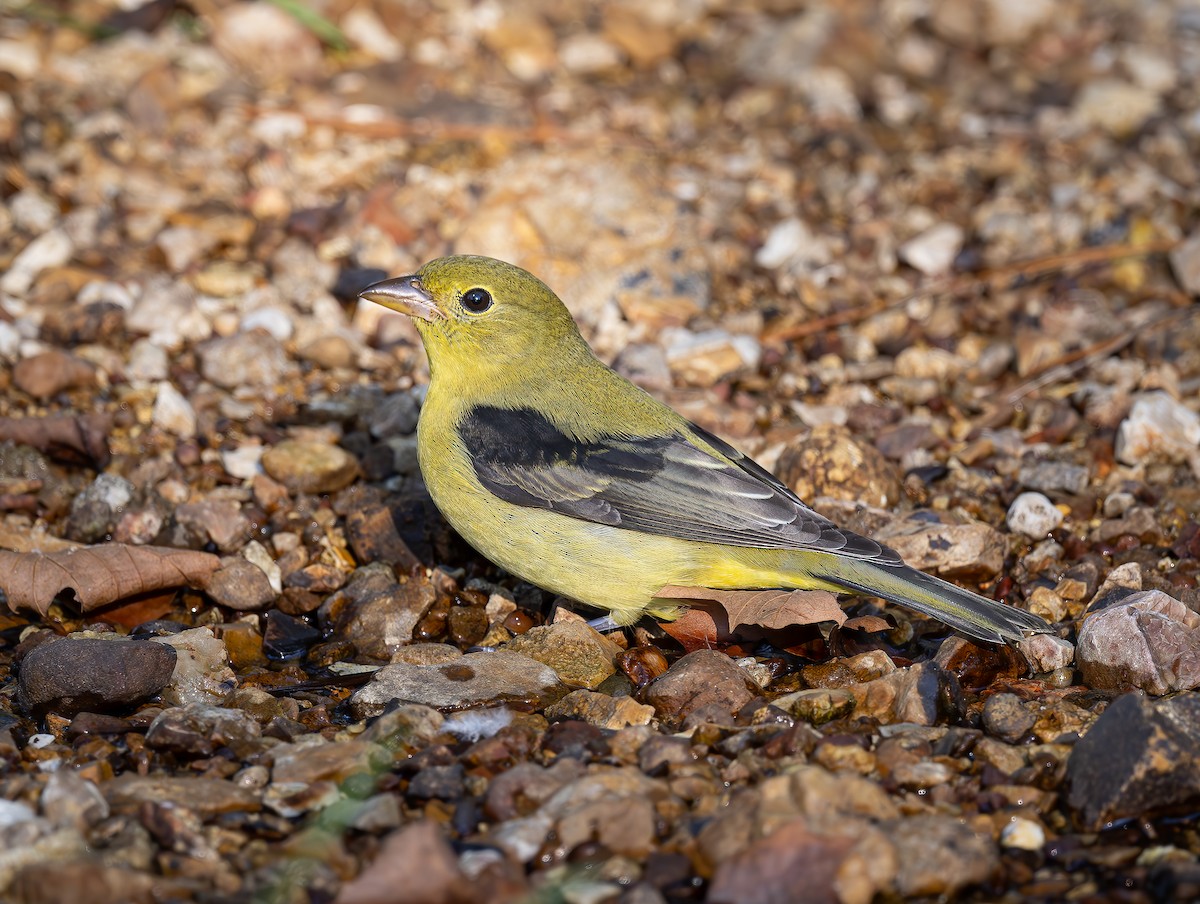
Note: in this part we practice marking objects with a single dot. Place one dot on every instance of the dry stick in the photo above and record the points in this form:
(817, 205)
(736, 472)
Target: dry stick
(949, 285)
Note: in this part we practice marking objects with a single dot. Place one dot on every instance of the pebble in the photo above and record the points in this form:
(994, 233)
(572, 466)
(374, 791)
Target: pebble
(241, 585)
(252, 359)
(1115, 106)
(791, 244)
(1007, 717)
(704, 679)
(71, 801)
(147, 362)
(964, 550)
(74, 674)
(601, 710)
(1185, 263)
(706, 358)
(273, 320)
(50, 249)
(475, 679)
(47, 374)
(397, 416)
(207, 797)
(934, 250)
(1047, 653)
(172, 412)
(1033, 515)
(391, 879)
(217, 520)
(95, 511)
(1138, 760)
(199, 729)
(202, 673)
(1148, 640)
(310, 467)
(1052, 476)
(833, 462)
(380, 621)
(1023, 834)
(287, 637)
(1158, 426)
(582, 656)
(940, 855)
(919, 694)
(244, 462)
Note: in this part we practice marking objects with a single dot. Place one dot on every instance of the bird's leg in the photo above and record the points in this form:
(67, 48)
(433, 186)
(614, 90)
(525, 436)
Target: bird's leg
(604, 623)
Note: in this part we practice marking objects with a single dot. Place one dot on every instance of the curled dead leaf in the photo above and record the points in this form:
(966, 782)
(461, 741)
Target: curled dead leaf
(99, 575)
(766, 608)
(76, 439)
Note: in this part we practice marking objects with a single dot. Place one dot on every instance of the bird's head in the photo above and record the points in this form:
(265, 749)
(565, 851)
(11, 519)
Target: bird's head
(472, 311)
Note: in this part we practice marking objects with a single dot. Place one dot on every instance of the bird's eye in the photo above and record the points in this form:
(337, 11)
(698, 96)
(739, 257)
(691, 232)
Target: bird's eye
(477, 300)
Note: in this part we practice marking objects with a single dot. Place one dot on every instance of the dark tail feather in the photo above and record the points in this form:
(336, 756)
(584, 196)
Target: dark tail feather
(973, 615)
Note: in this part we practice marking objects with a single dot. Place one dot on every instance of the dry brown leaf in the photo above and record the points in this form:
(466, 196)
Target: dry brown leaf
(76, 439)
(767, 608)
(99, 575)
(868, 623)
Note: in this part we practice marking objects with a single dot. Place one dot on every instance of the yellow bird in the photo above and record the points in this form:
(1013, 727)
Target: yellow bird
(565, 474)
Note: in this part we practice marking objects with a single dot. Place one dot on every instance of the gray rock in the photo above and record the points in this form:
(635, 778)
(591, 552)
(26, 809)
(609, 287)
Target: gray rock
(95, 511)
(939, 855)
(242, 585)
(1147, 640)
(1053, 476)
(1137, 761)
(254, 358)
(82, 673)
(397, 416)
(1007, 717)
(477, 678)
(950, 550)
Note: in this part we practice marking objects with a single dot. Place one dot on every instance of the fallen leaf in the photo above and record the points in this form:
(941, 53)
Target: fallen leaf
(99, 575)
(75, 439)
(868, 623)
(767, 608)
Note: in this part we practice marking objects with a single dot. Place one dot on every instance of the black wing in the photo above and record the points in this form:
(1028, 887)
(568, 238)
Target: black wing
(658, 485)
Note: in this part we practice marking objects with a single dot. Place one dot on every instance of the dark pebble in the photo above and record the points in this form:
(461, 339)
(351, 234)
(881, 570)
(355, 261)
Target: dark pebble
(75, 674)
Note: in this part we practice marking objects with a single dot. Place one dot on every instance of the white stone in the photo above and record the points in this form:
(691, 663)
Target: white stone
(792, 244)
(1115, 106)
(19, 58)
(50, 249)
(1159, 427)
(243, 462)
(202, 673)
(10, 342)
(1033, 515)
(588, 53)
(275, 321)
(256, 554)
(32, 211)
(1185, 263)
(147, 362)
(366, 30)
(1023, 834)
(172, 412)
(933, 251)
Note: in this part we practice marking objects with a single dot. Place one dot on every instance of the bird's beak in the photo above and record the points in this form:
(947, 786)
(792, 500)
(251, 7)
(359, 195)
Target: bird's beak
(406, 295)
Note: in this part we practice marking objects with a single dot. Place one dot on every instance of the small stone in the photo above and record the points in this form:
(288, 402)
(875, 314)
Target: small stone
(773, 868)
(397, 416)
(1053, 476)
(1137, 761)
(1033, 515)
(199, 729)
(46, 375)
(95, 511)
(831, 461)
(792, 244)
(74, 674)
(1185, 262)
(330, 352)
(1047, 653)
(287, 637)
(272, 319)
(706, 358)
(919, 694)
(147, 362)
(601, 710)
(253, 359)
(1007, 717)
(172, 412)
(1117, 107)
(1158, 428)
(71, 801)
(381, 621)
(818, 705)
(475, 679)
(391, 879)
(582, 656)
(244, 462)
(241, 585)
(216, 519)
(972, 550)
(310, 467)
(934, 250)
(586, 54)
(48, 250)
(1148, 640)
(1023, 834)
(939, 855)
(371, 530)
(207, 797)
(202, 673)
(700, 679)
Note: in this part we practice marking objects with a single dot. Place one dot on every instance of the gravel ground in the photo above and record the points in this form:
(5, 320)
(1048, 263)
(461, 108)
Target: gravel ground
(936, 264)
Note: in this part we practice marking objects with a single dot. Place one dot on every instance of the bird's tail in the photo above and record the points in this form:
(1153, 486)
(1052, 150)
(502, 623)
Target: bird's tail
(973, 615)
